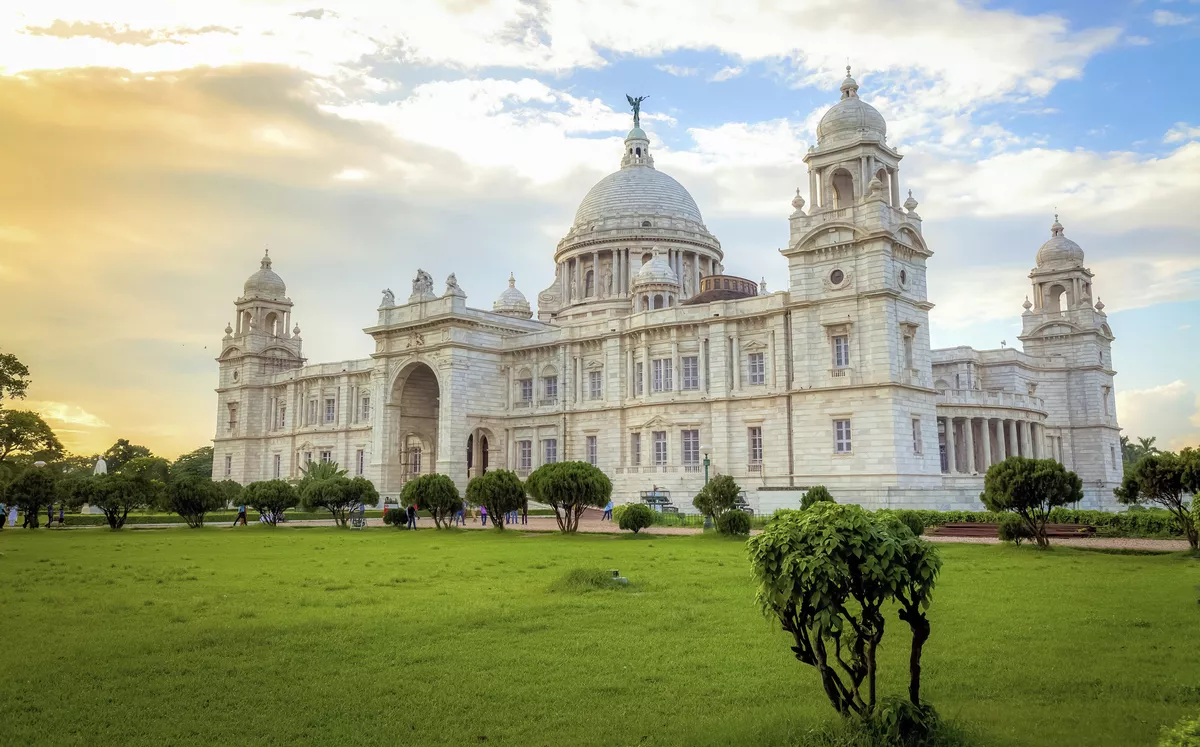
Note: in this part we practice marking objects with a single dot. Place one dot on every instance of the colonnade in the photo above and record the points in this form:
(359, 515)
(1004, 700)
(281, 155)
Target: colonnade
(623, 264)
(972, 444)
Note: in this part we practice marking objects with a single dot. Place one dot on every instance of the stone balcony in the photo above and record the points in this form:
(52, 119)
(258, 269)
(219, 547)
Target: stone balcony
(985, 398)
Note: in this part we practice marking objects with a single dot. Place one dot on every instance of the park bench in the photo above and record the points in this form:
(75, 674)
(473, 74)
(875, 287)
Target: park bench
(659, 500)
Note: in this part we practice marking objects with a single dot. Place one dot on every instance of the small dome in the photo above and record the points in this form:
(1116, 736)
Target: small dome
(265, 284)
(637, 133)
(1059, 252)
(512, 302)
(851, 118)
(656, 271)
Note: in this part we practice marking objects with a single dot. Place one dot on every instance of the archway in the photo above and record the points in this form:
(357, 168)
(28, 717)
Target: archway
(413, 412)
(479, 445)
(843, 188)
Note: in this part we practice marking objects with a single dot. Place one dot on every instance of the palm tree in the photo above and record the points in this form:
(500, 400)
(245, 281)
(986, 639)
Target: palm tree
(321, 471)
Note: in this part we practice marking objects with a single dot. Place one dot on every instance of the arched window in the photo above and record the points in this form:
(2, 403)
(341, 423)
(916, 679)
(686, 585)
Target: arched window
(589, 284)
(273, 324)
(645, 303)
(645, 224)
(843, 188)
(658, 301)
(1054, 297)
(637, 151)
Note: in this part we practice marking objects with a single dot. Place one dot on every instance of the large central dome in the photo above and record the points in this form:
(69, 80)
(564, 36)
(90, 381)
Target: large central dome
(637, 191)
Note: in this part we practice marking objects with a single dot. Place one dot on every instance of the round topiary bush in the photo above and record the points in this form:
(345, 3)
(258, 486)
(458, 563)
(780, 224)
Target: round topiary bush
(816, 494)
(1013, 529)
(734, 522)
(636, 517)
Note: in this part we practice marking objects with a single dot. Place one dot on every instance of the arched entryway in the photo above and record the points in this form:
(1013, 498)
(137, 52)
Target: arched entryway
(413, 410)
(479, 452)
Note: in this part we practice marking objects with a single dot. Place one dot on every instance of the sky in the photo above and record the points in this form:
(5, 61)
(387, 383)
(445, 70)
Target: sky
(150, 151)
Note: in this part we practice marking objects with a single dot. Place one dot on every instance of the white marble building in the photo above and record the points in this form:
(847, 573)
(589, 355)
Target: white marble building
(645, 358)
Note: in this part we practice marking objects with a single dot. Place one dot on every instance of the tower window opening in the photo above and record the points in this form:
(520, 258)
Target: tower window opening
(589, 283)
(637, 151)
(645, 224)
(1054, 297)
(843, 188)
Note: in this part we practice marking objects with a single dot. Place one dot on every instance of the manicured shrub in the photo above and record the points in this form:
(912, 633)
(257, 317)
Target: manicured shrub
(619, 511)
(1170, 480)
(1185, 733)
(569, 488)
(1030, 488)
(117, 495)
(826, 574)
(435, 493)
(192, 497)
(500, 491)
(32, 491)
(815, 494)
(1013, 529)
(901, 722)
(914, 520)
(270, 498)
(635, 517)
(396, 516)
(734, 523)
(719, 495)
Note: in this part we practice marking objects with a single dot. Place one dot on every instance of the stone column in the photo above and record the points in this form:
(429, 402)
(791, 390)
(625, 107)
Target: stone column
(645, 364)
(629, 386)
(986, 429)
(951, 451)
(676, 371)
(509, 399)
(812, 189)
(1039, 440)
(702, 374)
(737, 364)
(695, 274)
(1026, 441)
(895, 180)
(1013, 446)
(969, 444)
(771, 360)
(564, 284)
(596, 274)
(1001, 449)
(578, 280)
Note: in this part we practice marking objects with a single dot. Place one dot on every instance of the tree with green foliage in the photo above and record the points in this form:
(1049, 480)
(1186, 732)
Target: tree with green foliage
(499, 491)
(362, 492)
(33, 490)
(122, 452)
(634, 517)
(827, 574)
(230, 490)
(192, 497)
(815, 494)
(434, 493)
(270, 498)
(321, 471)
(23, 432)
(569, 488)
(198, 463)
(14, 377)
(718, 495)
(331, 494)
(117, 495)
(149, 467)
(1168, 480)
(734, 523)
(1030, 488)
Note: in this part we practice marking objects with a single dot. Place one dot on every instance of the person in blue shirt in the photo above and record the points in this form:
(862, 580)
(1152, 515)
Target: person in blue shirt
(607, 512)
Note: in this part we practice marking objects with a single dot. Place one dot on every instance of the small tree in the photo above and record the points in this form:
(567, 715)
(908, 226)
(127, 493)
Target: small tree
(198, 463)
(362, 492)
(815, 494)
(32, 491)
(1164, 478)
(122, 452)
(117, 495)
(500, 491)
(270, 498)
(24, 432)
(569, 488)
(150, 468)
(1030, 488)
(332, 494)
(719, 495)
(734, 523)
(635, 517)
(435, 493)
(826, 575)
(192, 497)
(231, 491)
(14, 377)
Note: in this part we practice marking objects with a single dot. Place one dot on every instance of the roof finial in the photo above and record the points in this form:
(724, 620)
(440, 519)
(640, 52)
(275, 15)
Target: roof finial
(512, 280)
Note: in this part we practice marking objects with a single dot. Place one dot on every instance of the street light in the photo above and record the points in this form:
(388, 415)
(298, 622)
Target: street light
(706, 449)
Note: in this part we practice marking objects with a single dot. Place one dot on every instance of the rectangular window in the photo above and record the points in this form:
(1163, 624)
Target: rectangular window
(635, 449)
(526, 386)
(958, 381)
(662, 374)
(1103, 396)
(364, 413)
(908, 351)
(758, 368)
(754, 446)
(550, 451)
(414, 460)
(550, 388)
(595, 385)
(330, 409)
(1113, 450)
(591, 450)
(326, 457)
(691, 372)
(228, 466)
(525, 450)
(841, 436)
(281, 422)
(312, 412)
(307, 458)
(841, 351)
(639, 379)
(691, 447)
(660, 448)
(916, 434)
(232, 417)
(278, 466)
(360, 462)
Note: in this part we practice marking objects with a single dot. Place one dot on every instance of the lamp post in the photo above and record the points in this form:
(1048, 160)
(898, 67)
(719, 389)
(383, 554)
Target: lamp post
(706, 449)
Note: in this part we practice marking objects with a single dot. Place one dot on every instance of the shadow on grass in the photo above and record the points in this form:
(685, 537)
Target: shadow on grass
(586, 581)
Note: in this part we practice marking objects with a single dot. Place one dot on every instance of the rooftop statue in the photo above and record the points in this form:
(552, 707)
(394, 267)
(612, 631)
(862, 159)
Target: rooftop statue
(636, 103)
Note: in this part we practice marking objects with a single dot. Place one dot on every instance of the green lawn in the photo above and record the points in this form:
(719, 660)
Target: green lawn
(328, 636)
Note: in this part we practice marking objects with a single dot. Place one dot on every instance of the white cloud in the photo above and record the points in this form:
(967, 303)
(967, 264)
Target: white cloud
(726, 73)
(1181, 132)
(678, 71)
(1170, 412)
(1168, 18)
(60, 412)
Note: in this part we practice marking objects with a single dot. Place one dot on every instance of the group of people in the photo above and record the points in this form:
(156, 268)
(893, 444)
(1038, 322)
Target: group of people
(8, 516)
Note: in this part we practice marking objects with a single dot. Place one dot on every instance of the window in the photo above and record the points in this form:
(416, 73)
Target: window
(364, 412)
(595, 385)
(228, 466)
(550, 388)
(330, 409)
(758, 368)
(414, 460)
(639, 379)
(635, 449)
(589, 284)
(755, 446)
(691, 372)
(360, 461)
(836, 277)
(691, 447)
(326, 457)
(312, 412)
(526, 386)
(307, 457)
(525, 454)
(841, 436)
(841, 351)
(591, 450)
(916, 433)
(1103, 396)
(278, 466)
(232, 417)
(281, 418)
(958, 381)
(550, 451)
(660, 448)
(908, 351)
(662, 375)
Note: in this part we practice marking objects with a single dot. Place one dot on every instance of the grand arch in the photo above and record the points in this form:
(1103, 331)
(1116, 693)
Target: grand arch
(412, 435)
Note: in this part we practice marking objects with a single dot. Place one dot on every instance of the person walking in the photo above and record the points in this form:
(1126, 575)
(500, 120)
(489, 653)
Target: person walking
(525, 512)
(460, 519)
(483, 515)
(12, 515)
(241, 516)
(412, 517)
(607, 512)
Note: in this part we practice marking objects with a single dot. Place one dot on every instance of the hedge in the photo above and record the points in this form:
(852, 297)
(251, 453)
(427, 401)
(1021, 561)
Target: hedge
(1148, 523)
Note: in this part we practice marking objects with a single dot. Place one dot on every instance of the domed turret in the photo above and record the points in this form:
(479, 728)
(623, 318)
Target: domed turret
(851, 118)
(656, 271)
(655, 286)
(512, 302)
(1059, 252)
(265, 284)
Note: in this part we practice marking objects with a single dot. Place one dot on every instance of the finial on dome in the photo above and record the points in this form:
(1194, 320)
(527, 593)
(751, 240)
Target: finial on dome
(266, 260)
(1027, 306)
(512, 280)
(296, 330)
(1099, 304)
(762, 287)
(849, 86)
(228, 329)
(798, 201)
(910, 204)
(1057, 228)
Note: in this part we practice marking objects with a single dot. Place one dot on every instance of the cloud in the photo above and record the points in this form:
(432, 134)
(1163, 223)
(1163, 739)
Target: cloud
(1181, 132)
(1170, 412)
(726, 73)
(678, 71)
(122, 33)
(1168, 18)
(66, 414)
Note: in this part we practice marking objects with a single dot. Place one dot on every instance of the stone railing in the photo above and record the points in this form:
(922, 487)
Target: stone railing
(985, 398)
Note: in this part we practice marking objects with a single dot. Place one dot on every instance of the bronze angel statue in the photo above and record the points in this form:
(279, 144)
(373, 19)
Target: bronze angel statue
(636, 103)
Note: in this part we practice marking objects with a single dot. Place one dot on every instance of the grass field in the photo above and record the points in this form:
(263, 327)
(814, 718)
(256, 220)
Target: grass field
(318, 635)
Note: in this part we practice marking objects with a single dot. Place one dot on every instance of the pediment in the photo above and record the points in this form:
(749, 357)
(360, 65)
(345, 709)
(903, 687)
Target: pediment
(593, 364)
(754, 346)
(658, 421)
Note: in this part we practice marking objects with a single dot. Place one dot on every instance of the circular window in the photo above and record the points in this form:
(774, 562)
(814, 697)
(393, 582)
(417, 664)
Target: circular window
(235, 375)
(836, 277)
(903, 277)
